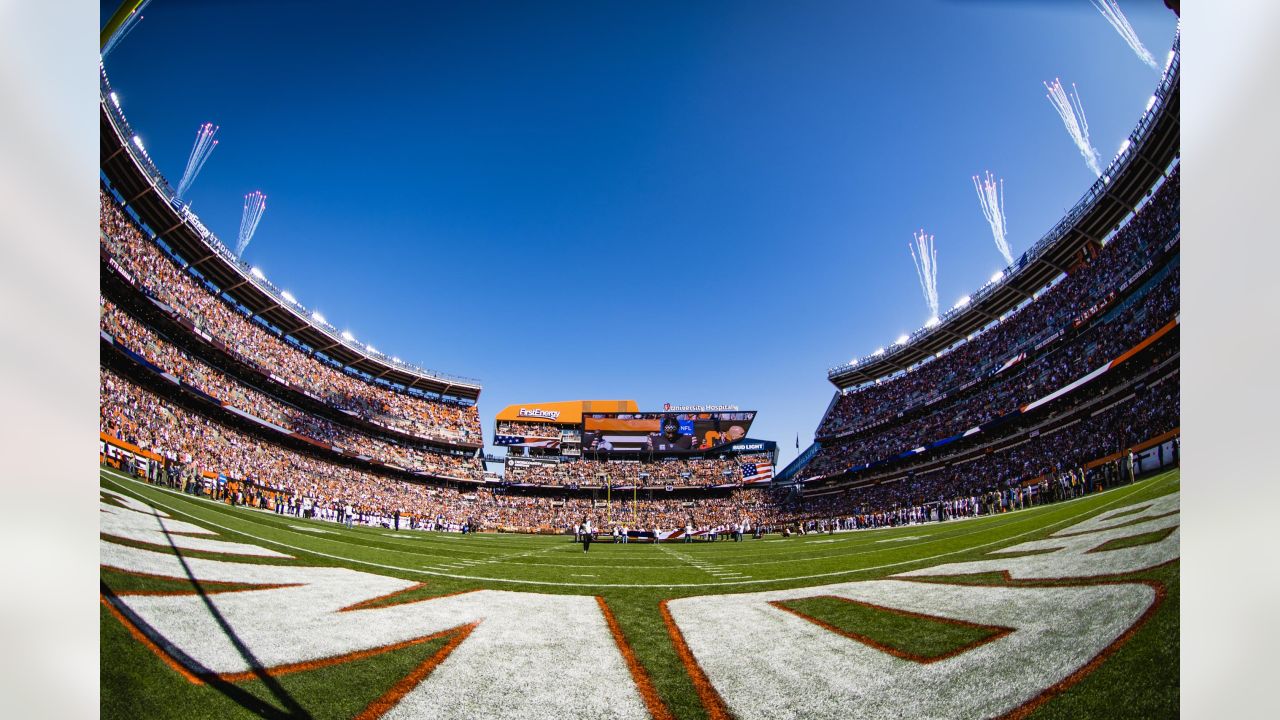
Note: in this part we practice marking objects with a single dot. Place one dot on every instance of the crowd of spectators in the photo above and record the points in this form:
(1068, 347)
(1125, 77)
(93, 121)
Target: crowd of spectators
(1055, 309)
(528, 429)
(161, 277)
(1044, 467)
(691, 472)
(276, 478)
(1134, 322)
(137, 337)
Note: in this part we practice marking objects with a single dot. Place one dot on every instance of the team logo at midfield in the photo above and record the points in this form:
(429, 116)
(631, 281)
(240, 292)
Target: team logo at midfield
(778, 654)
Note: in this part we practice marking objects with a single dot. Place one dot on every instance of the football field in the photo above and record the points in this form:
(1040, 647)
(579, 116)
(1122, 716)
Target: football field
(1062, 610)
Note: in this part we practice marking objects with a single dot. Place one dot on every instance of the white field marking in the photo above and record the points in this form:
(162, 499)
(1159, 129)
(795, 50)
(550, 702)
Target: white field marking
(550, 583)
(815, 542)
(508, 667)
(1009, 520)
(761, 658)
(577, 575)
(1072, 546)
(304, 528)
(139, 522)
(901, 539)
(989, 522)
(249, 513)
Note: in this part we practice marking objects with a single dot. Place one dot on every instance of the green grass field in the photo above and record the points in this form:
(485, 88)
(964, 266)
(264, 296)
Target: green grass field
(1138, 678)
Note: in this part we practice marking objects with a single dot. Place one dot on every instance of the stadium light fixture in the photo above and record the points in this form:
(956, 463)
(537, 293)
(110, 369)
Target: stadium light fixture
(318, 318)
(138, 141)
(370, 349)
(853, 362)
(395, 359)
(1123, 146)
(346, 335)
(1151, 103)
(931, 322)
(878, 352)
(115, 99)
(902, 339)
(257, 272)
(1168, 60)
(289, 298)
(998, 276)
(962, 301)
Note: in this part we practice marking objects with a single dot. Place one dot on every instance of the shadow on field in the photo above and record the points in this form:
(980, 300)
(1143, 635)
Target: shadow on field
(238, 695)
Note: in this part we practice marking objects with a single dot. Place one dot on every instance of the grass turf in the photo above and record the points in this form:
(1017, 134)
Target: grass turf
(1140, 680)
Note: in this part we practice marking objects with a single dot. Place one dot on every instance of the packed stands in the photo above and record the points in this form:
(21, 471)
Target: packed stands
(159, 275)
(274, 477)
(528, 429)
(132, 335)
(692, 472)
(1057, 308)
(1008, 391)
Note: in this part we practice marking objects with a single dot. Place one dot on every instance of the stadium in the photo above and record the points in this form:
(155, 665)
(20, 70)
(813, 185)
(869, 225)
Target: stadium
(982, 522)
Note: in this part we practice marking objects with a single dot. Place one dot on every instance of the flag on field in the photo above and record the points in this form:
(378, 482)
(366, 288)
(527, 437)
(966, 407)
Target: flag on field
(753, 473)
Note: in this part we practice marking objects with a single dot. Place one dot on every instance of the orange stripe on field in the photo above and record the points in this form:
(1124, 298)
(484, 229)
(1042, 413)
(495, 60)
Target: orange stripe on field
(380, 601)
(201, 678)
(711, 700)
(149, 644)
(657, 709)
(1062, 685)
(997, 631)
(379, 707)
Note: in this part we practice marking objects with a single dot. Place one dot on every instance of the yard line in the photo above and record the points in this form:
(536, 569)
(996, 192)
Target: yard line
(115, 478)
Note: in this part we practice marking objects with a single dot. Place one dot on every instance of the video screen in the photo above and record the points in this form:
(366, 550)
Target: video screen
(662, 432)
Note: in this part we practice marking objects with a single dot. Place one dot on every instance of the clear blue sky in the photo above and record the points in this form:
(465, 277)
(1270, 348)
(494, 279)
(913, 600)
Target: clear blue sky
(673, 202)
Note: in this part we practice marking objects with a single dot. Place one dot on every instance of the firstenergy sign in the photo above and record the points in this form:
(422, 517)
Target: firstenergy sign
(539, 413)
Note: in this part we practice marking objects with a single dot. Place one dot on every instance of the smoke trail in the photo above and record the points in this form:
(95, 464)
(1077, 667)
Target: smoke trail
(1111, 11)
(991, 198)
(200, 153)
(1071, 111)
(255, 203)
(125, 28)
(925, 257)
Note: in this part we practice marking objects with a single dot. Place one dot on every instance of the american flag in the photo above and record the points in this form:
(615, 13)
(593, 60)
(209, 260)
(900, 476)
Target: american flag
(509, 440)
(752, 473)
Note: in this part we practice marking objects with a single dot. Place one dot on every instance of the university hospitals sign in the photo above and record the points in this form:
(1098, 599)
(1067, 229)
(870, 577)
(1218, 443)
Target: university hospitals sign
(699, 408)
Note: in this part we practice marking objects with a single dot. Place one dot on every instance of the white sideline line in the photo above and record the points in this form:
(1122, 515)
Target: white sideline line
(109, 476)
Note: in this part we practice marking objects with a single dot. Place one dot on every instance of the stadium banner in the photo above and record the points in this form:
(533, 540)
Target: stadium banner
(663, 432)
(126, 456)
(564, 412)
(749, 445)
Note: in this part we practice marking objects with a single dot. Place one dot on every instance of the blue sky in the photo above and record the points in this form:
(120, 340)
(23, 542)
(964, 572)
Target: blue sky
(671, 202)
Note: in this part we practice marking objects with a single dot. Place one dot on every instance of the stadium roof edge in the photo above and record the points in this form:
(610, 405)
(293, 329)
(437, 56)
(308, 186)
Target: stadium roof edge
(146, 190)
(1154, 146)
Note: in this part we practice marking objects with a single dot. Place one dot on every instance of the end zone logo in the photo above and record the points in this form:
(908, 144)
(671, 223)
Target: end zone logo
(535, 412)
